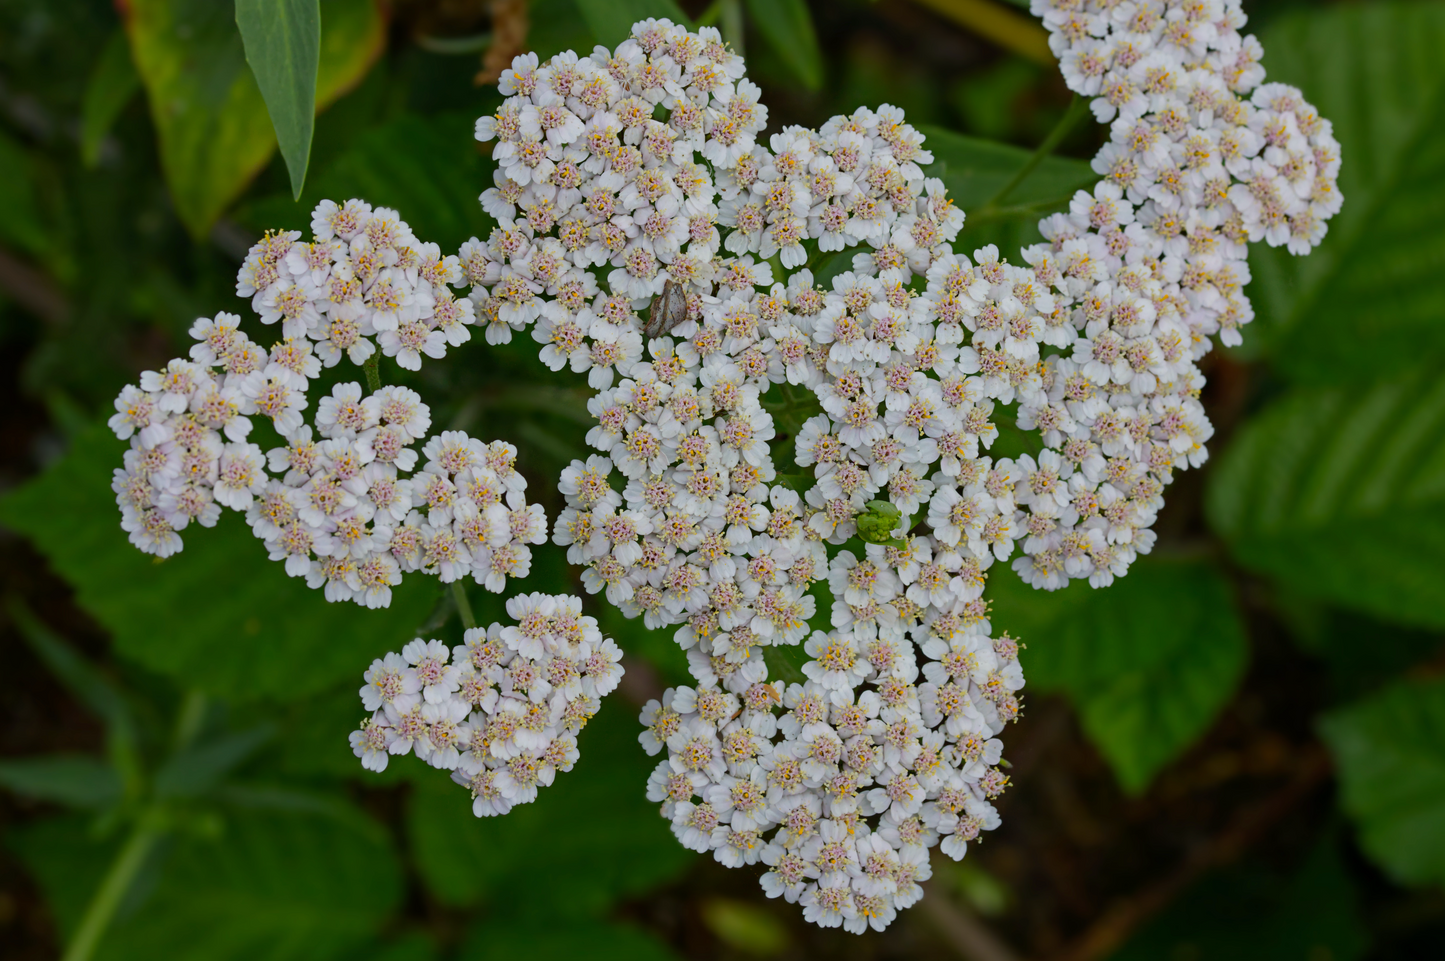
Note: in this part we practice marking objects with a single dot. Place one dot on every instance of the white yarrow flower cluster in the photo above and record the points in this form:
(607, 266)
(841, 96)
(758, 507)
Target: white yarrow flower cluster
(636, 180)
(796, 477)
(684, 517)
(1203, 158)
(363, 280)
(502, 710)
(336, 501)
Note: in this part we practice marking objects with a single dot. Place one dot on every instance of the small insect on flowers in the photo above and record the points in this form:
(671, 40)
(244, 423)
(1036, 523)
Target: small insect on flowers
(668, 309)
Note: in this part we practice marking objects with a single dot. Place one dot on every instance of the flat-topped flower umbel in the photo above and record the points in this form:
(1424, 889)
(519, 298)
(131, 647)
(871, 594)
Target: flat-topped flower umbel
(794, 475)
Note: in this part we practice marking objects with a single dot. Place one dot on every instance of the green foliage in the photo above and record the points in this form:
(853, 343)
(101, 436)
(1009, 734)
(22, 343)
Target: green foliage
(214, 131)
(282, 39)
(976, 170)
(418, 166)
(220, 615)
(199, 768)
(269, 885)
(788, 27)
(588, 840)
(110, 88)
(74, 780)
(1333, 493)
(1148, 662)
(1389, 750)
(1337, 492)
(1366, 297)
(611, 20)
(87, 685)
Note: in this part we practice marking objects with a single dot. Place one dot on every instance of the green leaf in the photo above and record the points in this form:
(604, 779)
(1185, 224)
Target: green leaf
(218, 616)
(1390, 754)
(1148, 662)
(89, 686)
(1338, 492)
(975, 170)
(557, 25)
(110, 88)
(587, 841)
(215, 133)
(198, 768)
(507, 939)
(788, 27)
(426, 168)
(611, 20)
(75, 780)
(273, 886)
(1367, 296)
(282, 39)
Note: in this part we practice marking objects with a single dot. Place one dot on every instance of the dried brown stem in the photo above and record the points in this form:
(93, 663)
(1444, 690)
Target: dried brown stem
(509, 38)
(962, 929)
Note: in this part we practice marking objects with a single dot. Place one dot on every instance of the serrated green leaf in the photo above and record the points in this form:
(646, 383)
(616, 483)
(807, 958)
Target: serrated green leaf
(504, 939)
(272, 886)
(1366, 297)
(788, 27)
(75, 780)
(1338, 492)
(210, 118)
(282, 40)
(588, 840)
(218, 616)
(1390, 754)
(611, 20)
(1148, 662)
(110, 88)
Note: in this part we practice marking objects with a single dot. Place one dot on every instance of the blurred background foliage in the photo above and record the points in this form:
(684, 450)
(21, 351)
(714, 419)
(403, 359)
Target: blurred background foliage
(1238, 751)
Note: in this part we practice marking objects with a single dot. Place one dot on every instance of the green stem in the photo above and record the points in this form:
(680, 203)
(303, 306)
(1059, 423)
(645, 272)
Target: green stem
(373, 372)
(112, 891)
(464, 605)
(1076, 110)
(732, 24)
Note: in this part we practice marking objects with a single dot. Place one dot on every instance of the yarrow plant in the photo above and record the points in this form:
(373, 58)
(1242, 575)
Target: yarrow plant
(794, 476)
